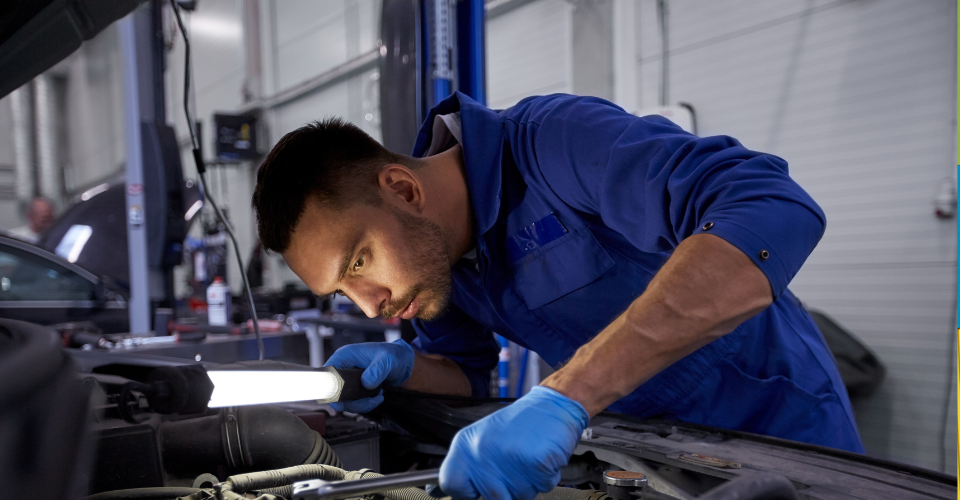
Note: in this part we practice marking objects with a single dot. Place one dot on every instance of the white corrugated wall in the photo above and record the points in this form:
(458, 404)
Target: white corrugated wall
(859, 97)
(529, 52)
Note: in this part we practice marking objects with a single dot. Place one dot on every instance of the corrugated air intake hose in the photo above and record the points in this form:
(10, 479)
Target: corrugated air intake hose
(247, 438)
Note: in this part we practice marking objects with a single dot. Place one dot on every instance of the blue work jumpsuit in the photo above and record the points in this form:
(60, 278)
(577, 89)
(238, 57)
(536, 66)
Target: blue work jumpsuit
(577, 204)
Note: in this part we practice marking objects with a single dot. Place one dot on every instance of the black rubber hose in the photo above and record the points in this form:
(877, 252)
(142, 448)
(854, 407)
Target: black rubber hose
(759, 486)
(161, 493)
(243, 439)
(325, 455)
(271, 438)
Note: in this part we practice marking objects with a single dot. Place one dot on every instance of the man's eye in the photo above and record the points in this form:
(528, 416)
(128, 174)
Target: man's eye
(358, 264)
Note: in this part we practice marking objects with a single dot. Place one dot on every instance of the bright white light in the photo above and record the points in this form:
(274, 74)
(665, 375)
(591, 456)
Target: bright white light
(197, 205)
(238, 388)
(90, 193)
(215, 27)
(73, 242)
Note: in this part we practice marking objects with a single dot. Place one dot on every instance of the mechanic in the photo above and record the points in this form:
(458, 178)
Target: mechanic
(647, 265)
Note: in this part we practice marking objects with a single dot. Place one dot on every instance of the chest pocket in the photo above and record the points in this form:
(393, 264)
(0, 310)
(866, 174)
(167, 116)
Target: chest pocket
(559, 267)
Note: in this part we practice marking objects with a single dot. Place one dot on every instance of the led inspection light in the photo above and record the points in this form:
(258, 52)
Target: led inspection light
(238, 388)
(192, 389)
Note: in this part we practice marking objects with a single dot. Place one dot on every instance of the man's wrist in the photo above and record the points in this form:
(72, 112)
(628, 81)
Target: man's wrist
(436, 374)
(558, 385)
(576, 410)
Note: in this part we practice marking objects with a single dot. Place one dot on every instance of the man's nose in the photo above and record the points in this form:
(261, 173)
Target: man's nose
(370, 297)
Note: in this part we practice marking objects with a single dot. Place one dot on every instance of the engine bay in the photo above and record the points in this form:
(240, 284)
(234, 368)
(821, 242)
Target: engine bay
(74, 429)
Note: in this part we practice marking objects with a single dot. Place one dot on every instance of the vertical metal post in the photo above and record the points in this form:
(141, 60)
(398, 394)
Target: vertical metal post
(139, 302)
(50, 169)
(23, 132)
(441, 48)
(662, 13)
(471, 54)
(503, 368)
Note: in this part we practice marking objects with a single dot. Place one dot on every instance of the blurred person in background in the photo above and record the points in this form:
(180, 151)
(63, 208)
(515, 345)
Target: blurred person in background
(40, 217)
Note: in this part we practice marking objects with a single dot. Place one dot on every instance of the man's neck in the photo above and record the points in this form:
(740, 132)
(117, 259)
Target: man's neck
(445, 179)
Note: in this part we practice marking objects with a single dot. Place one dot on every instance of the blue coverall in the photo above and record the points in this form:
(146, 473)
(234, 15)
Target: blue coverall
(577, 204)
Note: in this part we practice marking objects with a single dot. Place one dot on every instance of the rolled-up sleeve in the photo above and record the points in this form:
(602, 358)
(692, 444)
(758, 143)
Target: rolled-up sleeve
(657, 185)
(458, 337)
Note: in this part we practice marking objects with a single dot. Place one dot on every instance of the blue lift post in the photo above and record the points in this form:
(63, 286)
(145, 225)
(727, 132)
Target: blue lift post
(441, 22)
(453, 33)
(472, 60)
(503, 368)
(438, 47)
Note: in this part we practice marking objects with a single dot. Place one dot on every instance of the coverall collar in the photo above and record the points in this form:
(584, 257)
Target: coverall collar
(482, 148)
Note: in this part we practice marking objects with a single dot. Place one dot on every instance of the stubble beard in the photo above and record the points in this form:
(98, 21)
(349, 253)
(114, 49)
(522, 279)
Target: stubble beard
(426, 253)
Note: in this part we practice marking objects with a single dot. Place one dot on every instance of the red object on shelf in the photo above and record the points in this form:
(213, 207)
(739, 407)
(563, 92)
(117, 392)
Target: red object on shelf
(197, 304)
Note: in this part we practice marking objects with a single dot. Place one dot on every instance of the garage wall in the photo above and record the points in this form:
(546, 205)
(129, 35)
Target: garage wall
(94, 131)
(9, 208)
(87, 96)
(529, 52)
(299, 40)
(859, 97)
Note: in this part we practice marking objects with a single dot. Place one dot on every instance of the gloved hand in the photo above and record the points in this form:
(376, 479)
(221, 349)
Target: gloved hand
(517, 451)
(388, 363)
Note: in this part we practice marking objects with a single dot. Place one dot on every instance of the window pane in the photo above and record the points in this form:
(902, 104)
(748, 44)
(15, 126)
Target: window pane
(24, 276)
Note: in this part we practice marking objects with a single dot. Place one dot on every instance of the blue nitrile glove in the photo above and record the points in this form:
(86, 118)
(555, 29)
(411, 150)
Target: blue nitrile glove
(388, 363)
(516, 452)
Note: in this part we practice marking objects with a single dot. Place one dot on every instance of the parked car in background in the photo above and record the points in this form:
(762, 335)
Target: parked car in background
(41, 287)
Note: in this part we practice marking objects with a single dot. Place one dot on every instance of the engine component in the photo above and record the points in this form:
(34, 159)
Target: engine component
(43, 410)
(395, 486)
(243, 439)
(624, 485)
(127, 457)
(270, 484)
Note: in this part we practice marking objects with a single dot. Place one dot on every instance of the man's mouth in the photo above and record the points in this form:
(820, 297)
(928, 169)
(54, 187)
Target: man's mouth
(411, 310)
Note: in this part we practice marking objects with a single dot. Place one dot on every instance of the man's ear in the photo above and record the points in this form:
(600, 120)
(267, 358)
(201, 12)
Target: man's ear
(401, 188)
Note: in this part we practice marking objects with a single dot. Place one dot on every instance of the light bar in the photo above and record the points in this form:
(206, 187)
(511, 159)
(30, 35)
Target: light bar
(239, 388)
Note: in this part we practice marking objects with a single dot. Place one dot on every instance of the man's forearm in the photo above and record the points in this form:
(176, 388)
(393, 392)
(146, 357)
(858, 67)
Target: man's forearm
(705, 290)
(436, 374)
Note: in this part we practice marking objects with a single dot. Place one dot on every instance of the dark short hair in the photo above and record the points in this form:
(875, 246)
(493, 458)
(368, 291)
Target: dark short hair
(331, 160)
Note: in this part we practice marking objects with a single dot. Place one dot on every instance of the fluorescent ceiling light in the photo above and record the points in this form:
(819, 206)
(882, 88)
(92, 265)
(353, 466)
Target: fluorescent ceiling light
(90, 193)
(220, 28)
(197, 205)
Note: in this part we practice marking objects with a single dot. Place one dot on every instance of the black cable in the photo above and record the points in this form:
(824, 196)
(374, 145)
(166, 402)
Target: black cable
(201, 169)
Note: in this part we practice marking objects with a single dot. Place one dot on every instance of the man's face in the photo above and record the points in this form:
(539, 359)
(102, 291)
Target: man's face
(389, 262)
(40, 215)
